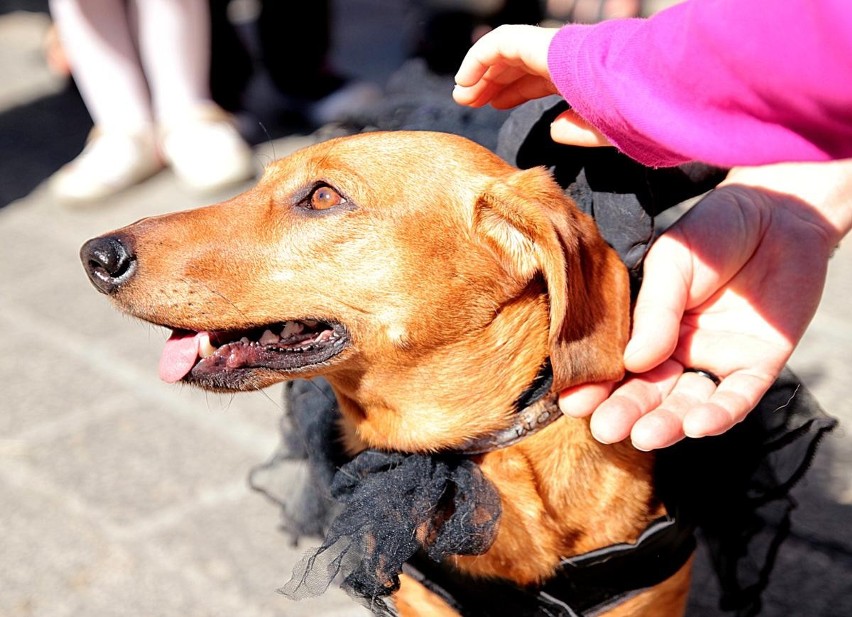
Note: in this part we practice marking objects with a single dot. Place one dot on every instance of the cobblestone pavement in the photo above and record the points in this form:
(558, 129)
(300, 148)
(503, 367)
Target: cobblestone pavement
(121, 495)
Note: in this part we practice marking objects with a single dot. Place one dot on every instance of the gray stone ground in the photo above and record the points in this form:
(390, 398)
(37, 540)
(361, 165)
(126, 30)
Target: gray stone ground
(121, 495)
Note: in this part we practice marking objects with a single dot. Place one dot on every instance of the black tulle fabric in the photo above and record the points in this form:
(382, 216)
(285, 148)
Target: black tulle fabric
(395, 505)
(735, 488)
(375, 511)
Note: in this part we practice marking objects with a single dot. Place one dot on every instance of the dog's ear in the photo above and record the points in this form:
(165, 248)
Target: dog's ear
(536, 230)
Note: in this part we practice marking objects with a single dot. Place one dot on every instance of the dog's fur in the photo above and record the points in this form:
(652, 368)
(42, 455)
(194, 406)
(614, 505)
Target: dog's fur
(455, 276)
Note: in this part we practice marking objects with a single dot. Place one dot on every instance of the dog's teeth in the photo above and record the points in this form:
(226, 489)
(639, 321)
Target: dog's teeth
(268, 338)
(245, 340)
(205, 347)
(311, 323)
(291, 328)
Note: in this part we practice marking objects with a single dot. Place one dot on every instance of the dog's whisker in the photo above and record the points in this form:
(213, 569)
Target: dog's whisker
(265, 394)
(223, 297)
(270, 142)
(207, 400)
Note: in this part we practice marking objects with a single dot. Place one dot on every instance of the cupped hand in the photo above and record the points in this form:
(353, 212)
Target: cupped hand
(729, 289)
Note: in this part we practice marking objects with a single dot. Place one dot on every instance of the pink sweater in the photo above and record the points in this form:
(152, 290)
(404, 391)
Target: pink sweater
(726, 82)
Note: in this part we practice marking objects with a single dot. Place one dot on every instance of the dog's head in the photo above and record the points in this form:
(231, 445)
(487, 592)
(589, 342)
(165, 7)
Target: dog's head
(389, 262)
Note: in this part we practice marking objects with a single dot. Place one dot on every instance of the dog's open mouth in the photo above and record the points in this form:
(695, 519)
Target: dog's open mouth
(222, 358)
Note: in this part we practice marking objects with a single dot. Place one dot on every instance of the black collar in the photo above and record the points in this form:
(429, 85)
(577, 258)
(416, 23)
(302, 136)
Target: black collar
(535, 409)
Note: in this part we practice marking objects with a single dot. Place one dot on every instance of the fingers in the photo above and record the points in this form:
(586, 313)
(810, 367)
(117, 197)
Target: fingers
(663, 426)
(498, 61)
(570, 129)
(614, 419)
(504, 88)
(659, 408)
(649, 408)
(581, 401)
(499, 83)
(490, 50)
(522, 46)
(507, 67)
(735, 397)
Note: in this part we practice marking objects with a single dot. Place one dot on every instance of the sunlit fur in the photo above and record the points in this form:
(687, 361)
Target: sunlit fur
(456, 275)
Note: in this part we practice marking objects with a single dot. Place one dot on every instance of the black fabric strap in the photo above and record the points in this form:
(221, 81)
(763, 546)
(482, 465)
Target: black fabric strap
(584, 586)
(605, 577)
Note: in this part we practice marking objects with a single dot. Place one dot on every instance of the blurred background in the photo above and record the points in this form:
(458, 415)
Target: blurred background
(121, 495)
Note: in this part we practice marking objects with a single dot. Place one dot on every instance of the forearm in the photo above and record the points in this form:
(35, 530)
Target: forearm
(728, 82)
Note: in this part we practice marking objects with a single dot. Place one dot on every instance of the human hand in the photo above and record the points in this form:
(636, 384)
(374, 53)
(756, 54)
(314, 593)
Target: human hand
(507, 67)
(729, 289)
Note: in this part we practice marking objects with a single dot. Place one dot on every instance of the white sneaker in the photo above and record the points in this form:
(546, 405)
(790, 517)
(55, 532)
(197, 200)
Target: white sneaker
(207, 152)
(109, 163)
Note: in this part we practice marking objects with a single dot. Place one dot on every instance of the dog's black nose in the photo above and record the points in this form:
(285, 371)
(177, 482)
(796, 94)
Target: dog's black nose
(109, 262)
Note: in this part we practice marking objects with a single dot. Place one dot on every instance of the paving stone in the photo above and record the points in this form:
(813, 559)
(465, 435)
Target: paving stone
(57, 563)
(40, 386)
(239, 547)
(140, 463)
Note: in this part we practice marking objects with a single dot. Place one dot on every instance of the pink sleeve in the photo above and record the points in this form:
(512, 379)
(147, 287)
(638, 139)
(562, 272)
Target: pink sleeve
(726, 82)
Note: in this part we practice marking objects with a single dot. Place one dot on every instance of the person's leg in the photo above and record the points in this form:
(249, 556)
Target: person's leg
(198, 139)
(96, 38)
(174, 43)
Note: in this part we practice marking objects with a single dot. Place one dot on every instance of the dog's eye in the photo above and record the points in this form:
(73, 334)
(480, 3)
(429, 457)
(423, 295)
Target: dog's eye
(325, 197)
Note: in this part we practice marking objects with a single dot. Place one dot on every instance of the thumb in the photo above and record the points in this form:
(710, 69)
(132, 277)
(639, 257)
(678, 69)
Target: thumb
(659, 310)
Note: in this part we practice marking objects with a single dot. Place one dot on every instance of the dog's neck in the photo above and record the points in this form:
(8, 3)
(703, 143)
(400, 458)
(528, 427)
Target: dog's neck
(409, 405)
(536, 409)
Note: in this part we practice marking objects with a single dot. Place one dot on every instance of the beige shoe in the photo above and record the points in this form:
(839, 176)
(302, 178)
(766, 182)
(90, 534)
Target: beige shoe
(110, 162)
(207, 152)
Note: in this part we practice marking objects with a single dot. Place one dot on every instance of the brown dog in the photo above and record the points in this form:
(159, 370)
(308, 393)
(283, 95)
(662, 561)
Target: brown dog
(429, 282)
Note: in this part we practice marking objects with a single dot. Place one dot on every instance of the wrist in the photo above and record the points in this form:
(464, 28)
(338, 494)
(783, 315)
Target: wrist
(825, 187)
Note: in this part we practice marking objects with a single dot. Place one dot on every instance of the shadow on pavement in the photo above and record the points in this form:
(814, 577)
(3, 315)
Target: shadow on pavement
(38, 138)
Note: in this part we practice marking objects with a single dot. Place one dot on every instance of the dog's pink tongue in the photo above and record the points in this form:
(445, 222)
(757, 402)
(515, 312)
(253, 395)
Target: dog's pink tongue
(179, 355)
